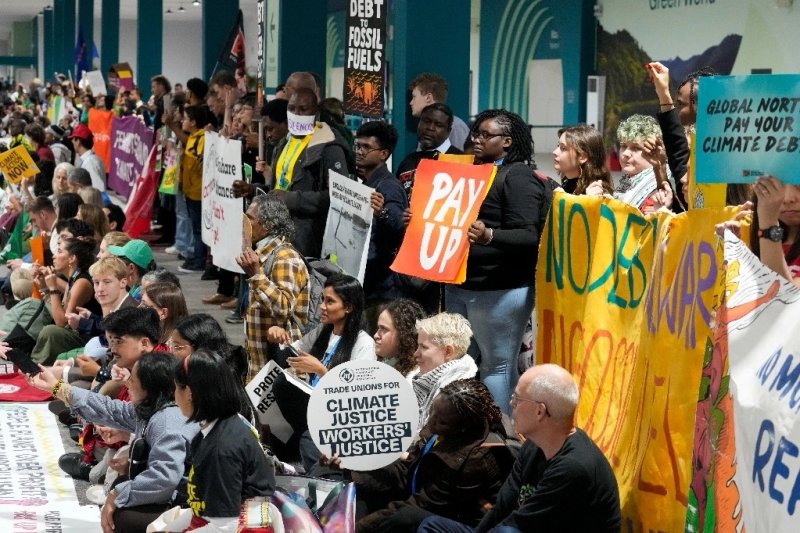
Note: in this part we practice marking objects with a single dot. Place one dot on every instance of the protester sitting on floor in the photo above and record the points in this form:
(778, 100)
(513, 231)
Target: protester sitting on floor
(92, 196)
(455, 469)
(580, 160)
(109, 276)
(441, 356)
(115, 215)
(150, 415)
(339, 338)
(61, 180)
(396, 335)
(227, 463)
(73, 259)
(139, 257)
(168, 301)
(561, 481)
(26, 307)
(112, 238)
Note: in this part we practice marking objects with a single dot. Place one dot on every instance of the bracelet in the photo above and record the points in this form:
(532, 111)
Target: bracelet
(491, 236)
(57, 387)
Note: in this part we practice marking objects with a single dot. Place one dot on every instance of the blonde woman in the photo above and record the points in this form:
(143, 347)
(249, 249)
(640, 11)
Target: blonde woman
(441, 356)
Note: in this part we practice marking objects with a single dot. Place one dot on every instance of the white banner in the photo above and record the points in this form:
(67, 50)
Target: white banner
(35, 494)
(763, 310)
(349, 225)
(259, 390)
(222, 212)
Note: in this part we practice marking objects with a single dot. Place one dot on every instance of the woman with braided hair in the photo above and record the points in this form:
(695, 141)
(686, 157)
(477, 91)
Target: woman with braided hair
(456, 467)
(497, 295)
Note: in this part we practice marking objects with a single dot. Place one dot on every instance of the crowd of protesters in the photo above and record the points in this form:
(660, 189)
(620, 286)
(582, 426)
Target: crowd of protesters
(127, 362)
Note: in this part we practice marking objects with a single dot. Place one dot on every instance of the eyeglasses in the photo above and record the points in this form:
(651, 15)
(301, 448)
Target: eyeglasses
(515, 399)
(485, 135)
(364, 149)
(172, 346)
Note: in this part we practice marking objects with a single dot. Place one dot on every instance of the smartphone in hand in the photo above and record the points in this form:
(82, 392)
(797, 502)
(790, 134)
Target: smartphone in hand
(23, 361)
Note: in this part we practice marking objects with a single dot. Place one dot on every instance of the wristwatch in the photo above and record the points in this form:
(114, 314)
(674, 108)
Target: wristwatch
(772, 233)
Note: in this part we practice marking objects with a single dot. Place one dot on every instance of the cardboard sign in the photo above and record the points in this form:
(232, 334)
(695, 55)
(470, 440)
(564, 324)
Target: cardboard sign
(365, 412)
(445, 203)
(349, 225)
(365, 58)
(748, 126)
(222, 211)
(120, 76)
(259, 390)
(96, 82)
(16, 164)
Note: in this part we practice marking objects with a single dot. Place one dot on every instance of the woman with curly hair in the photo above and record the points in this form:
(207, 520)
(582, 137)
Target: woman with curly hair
(646, 183)
(458, 465)
(580, 159)
(396, 336)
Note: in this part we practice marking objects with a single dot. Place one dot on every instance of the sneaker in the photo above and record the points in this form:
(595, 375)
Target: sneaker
(234, 319)
(171, 250)
(72, 464)
(188, 268)
(231, 304)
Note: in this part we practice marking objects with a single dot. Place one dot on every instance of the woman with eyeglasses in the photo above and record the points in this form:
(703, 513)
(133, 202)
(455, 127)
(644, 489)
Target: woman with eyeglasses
(227, 463)
(497, 295)
(151, 415)
(202, 331)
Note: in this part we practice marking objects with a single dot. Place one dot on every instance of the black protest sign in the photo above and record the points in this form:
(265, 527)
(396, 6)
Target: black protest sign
(365, 58)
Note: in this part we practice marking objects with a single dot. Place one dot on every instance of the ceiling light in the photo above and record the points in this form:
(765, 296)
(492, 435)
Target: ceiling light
(169, 12)
(196, 3)
(181, 10)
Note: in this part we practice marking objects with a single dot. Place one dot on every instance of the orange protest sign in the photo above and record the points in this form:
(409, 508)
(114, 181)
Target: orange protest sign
(100, 125)
(446, 200)
(37, 256)
(16, 164)
(457, 158)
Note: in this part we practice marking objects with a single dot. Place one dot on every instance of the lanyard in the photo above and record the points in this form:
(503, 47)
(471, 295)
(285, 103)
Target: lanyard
(289, 161)
(433, 441)
(325, 360)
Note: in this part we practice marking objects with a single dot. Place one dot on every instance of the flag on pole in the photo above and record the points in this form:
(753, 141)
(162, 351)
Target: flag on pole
(83, 56)
(232, 56)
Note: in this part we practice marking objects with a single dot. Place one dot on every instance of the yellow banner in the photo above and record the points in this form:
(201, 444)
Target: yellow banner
(625, 303)
(16, 164)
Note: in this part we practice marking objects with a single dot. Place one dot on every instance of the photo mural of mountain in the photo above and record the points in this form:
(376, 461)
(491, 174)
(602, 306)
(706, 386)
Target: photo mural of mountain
(621, 59)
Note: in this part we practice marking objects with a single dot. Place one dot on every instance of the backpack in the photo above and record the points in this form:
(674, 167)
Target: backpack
(318, 272)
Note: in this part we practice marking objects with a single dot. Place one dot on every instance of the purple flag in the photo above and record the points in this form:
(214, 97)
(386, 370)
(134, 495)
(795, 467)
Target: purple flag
(130, 144)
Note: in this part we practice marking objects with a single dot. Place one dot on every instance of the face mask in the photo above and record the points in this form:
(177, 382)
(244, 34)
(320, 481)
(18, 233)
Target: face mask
(300, 125)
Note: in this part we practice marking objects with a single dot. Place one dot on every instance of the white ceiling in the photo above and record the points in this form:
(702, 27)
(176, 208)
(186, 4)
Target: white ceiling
(16, 10)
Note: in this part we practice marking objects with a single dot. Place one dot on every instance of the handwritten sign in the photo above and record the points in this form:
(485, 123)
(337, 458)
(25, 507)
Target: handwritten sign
(748, 126)
(625, 302)
(349, 225)
(365, 412)
(365, 64)
(16, 164)
(445, 203)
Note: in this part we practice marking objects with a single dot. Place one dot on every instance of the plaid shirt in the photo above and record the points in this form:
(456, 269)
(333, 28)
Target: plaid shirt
(277, 298)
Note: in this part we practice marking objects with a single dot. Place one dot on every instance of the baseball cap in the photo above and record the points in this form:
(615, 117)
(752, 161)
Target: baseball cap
(136, 251)
(81, 131)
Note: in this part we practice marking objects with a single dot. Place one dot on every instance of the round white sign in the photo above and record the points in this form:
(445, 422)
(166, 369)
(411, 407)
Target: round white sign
(365, 412)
